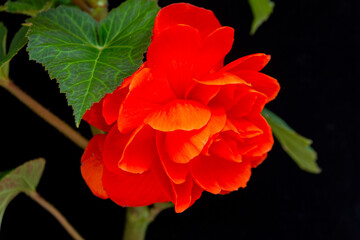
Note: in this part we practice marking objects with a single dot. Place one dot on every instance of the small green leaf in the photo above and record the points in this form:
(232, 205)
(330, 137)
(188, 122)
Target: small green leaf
(293, 144)
(4, 68)
(261, 10)
(27, 7)
(24, 178)
(87, 58)
(17, 43)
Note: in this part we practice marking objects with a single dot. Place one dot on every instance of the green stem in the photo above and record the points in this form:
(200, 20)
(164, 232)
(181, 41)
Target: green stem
(137, 221)
(139, 218)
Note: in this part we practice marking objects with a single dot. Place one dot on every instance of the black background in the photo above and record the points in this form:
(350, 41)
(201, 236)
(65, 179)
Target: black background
(315, 56)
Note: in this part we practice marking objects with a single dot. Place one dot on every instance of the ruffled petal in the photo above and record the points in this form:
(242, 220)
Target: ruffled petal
(225, 148)
(94, 116)
(182, 146)
(184, 13)
(213, 50)
(139, 151)
(202, 93)
(179, 115)
(177, 172)
(173, 54)
(222, 79)
(263, 142)
(182, 195)
(215, 174)
(92, 166)
(115, 143)
(146, 95)
(133, 190)
(247, 102)
(260, 82)
(255, 62)
(111, 105)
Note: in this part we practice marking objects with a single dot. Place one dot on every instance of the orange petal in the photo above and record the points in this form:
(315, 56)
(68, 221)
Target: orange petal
(179, 115)
(202, 93)
(247, 102)
(215, 174)
(265, 141)
(173, 54)
(225, 148)
(260, 82)
(221, 78)
(146, 95)
(182, 195)
(182, 146)
(92, 166)
(139, 151)
(133, 190)
(255, 62)
(184, 13)
(177, 172)
(94, 116)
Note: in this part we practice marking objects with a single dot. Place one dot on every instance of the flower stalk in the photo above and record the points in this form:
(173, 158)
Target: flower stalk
(45, 114)
(139, 218)
(53, 211)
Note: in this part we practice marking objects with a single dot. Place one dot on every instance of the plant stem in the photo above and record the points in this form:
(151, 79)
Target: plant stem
(82, 5)
(45, 114)
(139, 218)
(51, 209)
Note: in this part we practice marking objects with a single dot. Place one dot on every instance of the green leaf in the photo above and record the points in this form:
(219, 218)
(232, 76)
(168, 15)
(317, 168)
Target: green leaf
(4, 68)
(261, 10)
(87, 58)
(27, 7)
(297, 146)
(17, 43)
(24, 178)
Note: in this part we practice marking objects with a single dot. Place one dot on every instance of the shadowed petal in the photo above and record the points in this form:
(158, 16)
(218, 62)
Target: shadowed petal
(139, 151)
(133, 190)
(92, 166)
(215, 174)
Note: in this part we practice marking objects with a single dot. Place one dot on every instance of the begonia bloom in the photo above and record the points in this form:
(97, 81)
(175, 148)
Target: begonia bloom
(183, 123)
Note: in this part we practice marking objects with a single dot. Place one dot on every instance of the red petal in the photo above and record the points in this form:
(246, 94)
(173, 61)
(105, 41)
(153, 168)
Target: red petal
(133, 190)
(214, 49)
(182, 195)
(255, 62)
(179, 115)
(139, 151)
(175, 171)
(265, 141)
(173, 54)
(111, 105)
(94, 116)
(202, 93)
(146, 95)
(245, 128)
(222, 78)
(92, 166)
(227, 149)
(113, 149)
(182, 146)
(247, 102)
(184, 13)
(215, 174)
(260, 82)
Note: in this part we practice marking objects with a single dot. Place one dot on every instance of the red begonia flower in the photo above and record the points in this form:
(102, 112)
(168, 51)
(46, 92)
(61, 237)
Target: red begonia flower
(183, 123)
